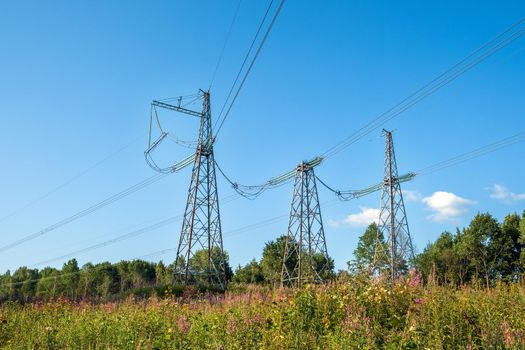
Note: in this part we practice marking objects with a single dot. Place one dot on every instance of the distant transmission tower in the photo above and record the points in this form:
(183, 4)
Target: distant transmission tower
(305, 256)
(201, 226)
(396, 253)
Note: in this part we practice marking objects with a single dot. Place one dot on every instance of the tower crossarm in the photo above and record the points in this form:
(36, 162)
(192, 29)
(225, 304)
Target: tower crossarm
(176, 108)
(354, 194)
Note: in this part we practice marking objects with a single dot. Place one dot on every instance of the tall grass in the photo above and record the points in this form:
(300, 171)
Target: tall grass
(359, 314)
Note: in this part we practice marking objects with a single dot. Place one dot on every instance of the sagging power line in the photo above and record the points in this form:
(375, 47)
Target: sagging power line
(155, 226)
(110, 200)
(72, 179)
(220, 121)
(488, 49)
(202, 220)
(502, 40)
(201, 224)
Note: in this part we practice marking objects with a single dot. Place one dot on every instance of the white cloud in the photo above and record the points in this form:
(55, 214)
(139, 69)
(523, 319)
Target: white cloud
(502, 194)
(411, 196)
(362, 219)
(446, 205)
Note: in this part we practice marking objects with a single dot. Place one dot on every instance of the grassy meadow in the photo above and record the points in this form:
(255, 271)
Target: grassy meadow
(355, 314)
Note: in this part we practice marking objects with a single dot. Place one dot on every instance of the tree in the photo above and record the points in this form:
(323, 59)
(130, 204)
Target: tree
(272, 260)
(46, 287)
(483, 256)
(24, 282)
(69, 279)
(521, 242)
(85, 280)
(6, 286)
(136, 274)
(100, 281)
(438, 261)
(250, 273)
(324, 266)
(365, 251)
(163, 274)
(199, 264)
(506, 248)
(522, 227)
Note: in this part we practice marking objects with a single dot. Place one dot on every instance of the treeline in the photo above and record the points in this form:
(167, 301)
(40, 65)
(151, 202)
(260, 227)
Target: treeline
(268, 270)
(116, 281)
(97, 282)
(483, 253)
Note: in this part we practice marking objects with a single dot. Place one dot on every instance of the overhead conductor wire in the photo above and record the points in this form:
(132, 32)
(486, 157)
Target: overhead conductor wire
(516, 31)
(268, 30)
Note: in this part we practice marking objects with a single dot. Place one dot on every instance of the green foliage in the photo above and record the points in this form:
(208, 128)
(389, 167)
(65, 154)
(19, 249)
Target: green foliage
(95, 282)
(199, 263)
(439, 260)
(272, 260)
(484, 253)
(366, 246)
(251, 273)
(358, 314)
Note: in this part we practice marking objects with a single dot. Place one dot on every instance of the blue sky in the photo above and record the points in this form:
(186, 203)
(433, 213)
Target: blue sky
(77, 79)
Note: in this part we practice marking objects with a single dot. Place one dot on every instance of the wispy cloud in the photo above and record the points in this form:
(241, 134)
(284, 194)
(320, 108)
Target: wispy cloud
(502, 194)
(362, 219)
(446, 206)
(411, 196)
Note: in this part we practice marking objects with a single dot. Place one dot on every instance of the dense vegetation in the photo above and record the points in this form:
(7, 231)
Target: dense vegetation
(109, 282)
(483, 253)
(468, 293)
(352, 314)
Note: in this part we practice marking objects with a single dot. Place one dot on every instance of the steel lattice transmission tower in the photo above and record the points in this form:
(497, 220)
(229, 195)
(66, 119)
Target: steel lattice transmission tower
(393, 250)
(305, 256)
(201, 226)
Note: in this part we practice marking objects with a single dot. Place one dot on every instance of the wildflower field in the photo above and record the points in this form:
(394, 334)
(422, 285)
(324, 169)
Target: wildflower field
(357, 314)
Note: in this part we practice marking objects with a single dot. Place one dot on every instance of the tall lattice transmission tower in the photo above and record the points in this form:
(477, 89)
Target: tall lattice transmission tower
(393, 251)
(305, 258)
(201, 226)
(200, 255)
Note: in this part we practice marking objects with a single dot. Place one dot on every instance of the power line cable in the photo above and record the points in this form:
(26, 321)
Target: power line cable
(100, 267)
(244, 62)
(476, 153)
(269, 221)
(87, 211)
(253, 191)
(250, 66)
(225, 43)
(348, 195)
(488, 49)
(234, 232)
(72, 179)
(134, 233)
(128, 235)
(514, 32)
(461, 158)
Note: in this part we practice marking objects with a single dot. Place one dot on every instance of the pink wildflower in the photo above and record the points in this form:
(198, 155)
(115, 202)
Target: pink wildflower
(414, 279)
(183, 325)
